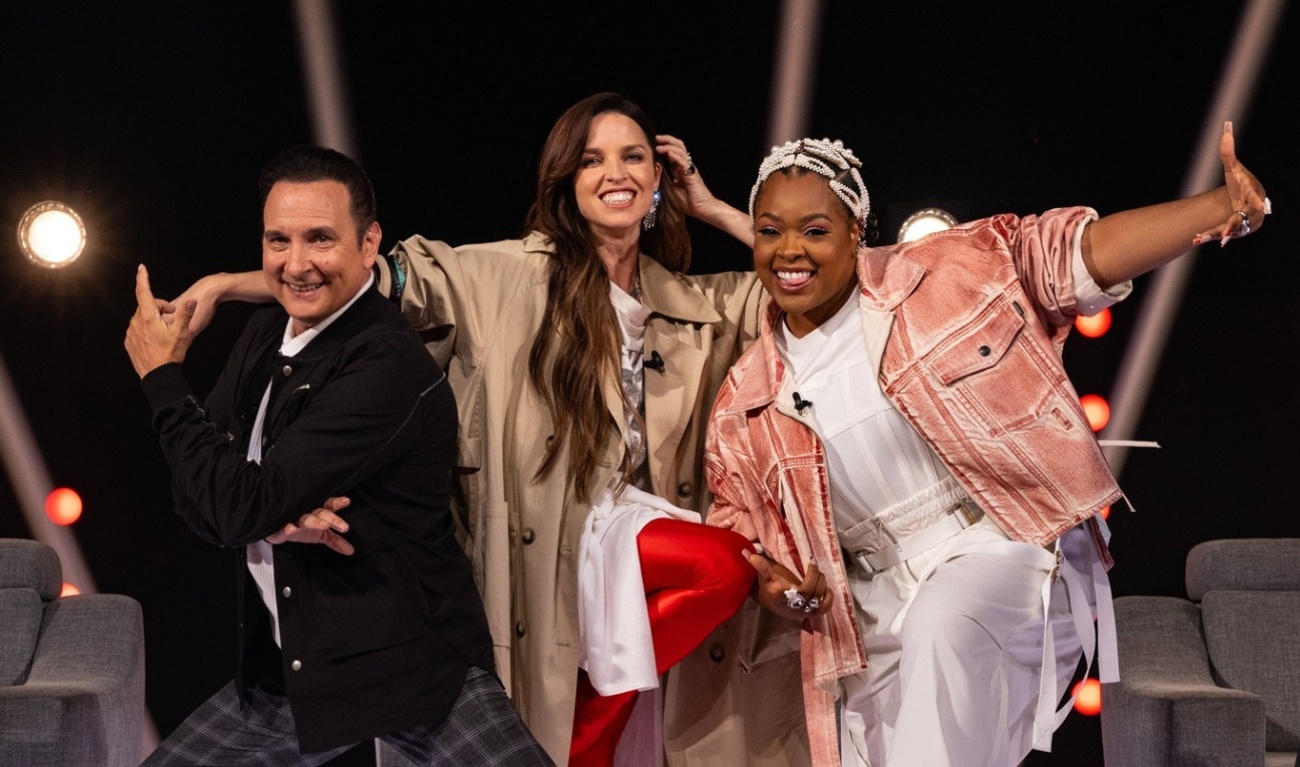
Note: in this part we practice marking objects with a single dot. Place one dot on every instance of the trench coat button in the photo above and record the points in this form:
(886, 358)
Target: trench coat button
(296, 665)
(288, 592)
(287, 370)
(528, 535)
(985, 350)
(717, 653)
(685, 489)
(519, 629)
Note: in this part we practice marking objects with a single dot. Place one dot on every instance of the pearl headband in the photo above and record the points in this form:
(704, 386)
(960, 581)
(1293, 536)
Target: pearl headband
(825, 158)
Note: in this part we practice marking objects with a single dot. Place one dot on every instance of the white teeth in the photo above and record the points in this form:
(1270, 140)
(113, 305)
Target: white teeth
(791, 276)
(302, 288)
(618, 198)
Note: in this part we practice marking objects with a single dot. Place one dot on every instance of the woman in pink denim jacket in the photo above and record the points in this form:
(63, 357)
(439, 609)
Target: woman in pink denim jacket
(905, 445)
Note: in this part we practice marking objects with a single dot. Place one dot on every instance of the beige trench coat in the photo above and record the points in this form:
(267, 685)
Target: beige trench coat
(735, 701)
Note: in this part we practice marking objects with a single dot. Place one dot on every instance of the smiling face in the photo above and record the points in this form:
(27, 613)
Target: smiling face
(616, 177)
(311, 256)
(804, 245)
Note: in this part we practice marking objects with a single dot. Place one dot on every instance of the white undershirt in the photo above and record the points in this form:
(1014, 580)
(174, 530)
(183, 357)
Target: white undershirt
(261, 563)
(632, 316)
(875, 459)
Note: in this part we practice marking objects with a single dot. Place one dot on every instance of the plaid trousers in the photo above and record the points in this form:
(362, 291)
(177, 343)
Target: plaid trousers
(483, 729)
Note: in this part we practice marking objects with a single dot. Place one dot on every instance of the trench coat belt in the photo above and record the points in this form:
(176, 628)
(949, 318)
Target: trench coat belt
(958, 517)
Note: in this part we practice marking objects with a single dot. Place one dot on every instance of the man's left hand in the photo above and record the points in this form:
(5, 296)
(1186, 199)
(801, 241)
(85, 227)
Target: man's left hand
(321, 526)
(153, 339)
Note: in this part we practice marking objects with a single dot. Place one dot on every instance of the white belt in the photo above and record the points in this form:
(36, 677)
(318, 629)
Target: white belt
(961, 516)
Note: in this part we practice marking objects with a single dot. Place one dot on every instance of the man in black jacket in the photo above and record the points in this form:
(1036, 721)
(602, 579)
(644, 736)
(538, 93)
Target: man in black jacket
(351, 628)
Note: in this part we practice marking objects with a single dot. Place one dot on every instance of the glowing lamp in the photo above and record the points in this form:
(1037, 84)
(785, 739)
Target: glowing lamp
(51, 234)
(925, 221)
(63, 506)
(1094, 326)
(1087, 697)
(1097, 409)
(69, 590)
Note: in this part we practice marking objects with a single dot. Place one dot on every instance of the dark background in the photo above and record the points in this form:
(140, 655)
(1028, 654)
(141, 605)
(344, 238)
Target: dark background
(153, 120)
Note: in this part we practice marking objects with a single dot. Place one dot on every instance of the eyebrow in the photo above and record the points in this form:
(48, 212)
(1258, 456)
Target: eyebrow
(593, 150)
(803, 220)
(328, 231)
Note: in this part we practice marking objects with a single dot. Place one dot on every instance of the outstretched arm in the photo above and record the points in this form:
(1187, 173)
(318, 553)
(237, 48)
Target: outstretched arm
(1124, 245)
(218, 288)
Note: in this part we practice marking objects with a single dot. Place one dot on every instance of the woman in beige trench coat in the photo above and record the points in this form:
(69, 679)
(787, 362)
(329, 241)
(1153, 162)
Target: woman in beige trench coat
(481, 308)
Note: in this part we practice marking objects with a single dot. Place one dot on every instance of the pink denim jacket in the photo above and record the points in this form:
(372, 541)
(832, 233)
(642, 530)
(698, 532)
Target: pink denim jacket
(965, 328)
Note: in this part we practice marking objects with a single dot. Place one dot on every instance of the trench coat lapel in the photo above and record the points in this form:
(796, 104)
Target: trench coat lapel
(670, 393)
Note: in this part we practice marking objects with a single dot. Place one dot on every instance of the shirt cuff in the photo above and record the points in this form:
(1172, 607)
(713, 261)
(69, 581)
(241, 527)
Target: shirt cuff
(1089, 298)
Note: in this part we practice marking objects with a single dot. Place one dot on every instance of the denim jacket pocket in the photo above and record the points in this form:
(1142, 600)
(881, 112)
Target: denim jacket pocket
(995, 371)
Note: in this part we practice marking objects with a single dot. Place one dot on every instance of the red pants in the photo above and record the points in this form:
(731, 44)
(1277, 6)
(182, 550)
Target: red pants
(695, 578)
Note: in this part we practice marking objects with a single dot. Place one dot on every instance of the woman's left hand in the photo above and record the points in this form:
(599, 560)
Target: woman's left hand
(698, 197)
(1245, 193)
(700, 202)
(783, 593)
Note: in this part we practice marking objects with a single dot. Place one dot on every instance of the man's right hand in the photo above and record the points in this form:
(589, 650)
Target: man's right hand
(320, 526)
(152, 337)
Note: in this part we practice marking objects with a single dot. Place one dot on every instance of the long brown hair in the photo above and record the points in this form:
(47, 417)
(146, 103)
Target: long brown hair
(577, 344)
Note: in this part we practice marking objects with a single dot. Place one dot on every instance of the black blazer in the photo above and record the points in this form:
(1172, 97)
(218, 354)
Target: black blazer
(378, 641)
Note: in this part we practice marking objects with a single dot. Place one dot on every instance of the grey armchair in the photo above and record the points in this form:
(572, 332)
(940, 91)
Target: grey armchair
(71, 669)
(1213, 680)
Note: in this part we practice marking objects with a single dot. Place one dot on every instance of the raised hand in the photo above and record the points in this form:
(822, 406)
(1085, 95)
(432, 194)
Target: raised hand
(1246, 194)
(152, 339)
(700, 202)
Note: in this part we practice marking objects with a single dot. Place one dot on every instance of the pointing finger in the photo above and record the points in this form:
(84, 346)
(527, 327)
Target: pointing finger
(143, 295)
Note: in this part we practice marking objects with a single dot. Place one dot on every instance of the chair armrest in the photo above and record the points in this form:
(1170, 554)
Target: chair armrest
(88, 639)
(83, 702)
(1167, 710)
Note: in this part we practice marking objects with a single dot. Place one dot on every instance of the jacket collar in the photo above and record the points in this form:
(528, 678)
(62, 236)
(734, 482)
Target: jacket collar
(887, 276)
(363, 313)
(757, 376)
(664, 293)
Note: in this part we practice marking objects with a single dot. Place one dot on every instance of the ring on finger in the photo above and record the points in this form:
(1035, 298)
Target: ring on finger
(1268, 207)
(811, 605)
(690, 165)
(794, 600)
(1243, 228)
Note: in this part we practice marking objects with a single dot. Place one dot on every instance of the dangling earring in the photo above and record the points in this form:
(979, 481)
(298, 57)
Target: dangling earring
(649, 221)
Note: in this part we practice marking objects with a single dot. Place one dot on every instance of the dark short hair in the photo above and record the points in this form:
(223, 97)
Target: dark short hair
(304, 164)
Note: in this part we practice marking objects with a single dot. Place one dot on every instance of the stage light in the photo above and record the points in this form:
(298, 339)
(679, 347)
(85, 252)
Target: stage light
(69, 590)
(1097, 409)
(63, 506)
(51, 234)
(1087, 697)
(1094, 326)
(925, 221)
